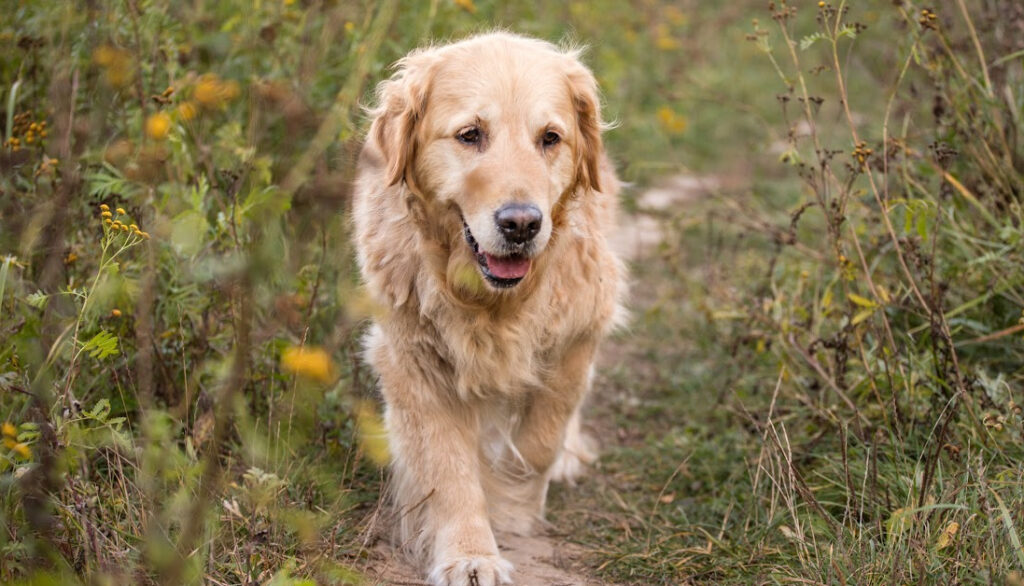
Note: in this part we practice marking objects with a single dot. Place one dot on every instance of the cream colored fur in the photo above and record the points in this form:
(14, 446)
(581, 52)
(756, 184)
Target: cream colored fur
(483, 385)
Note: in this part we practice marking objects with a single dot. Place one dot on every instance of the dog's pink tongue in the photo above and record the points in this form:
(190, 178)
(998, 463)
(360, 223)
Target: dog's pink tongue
(507, 268)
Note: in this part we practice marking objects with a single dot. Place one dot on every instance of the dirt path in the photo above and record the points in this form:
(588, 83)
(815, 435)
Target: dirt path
(542, 560)
(538, 561)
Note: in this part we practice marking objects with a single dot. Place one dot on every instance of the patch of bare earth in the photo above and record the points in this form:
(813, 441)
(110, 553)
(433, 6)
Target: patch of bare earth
(546, 560)
(539, 561)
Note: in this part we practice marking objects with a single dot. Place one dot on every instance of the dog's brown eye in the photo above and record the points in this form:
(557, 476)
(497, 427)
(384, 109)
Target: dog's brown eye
(469, 136)
(550, 138)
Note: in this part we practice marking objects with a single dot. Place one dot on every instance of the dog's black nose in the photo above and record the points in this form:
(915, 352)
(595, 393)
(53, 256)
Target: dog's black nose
(519, 222)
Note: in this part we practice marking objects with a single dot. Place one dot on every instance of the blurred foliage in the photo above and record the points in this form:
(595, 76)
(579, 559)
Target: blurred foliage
(824, 379)
(834, 350)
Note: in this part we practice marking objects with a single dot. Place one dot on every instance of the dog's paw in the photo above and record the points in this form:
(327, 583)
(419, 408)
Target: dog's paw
(572, 462)
(485, 570)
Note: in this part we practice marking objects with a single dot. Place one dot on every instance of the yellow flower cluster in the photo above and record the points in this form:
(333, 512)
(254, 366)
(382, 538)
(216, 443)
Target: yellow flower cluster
(113, 223)
(929, 19)
(861, 152)
(671, 121)
(309, 362)
(26, 131)
(10, 433)
(116, 64)
(212, 92)
(209, 93)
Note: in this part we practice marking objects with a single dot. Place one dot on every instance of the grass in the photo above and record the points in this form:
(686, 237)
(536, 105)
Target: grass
(821, 384)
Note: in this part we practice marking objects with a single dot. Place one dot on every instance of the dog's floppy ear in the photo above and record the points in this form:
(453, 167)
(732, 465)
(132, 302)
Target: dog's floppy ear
(401, 103)
(587, 104)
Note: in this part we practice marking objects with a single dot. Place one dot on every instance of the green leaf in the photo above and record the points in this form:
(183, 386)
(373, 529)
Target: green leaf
(862, 315)
(100, 410)
(862, 301)
(105, 182)
(187, 231)
(37, 300)
(806, 42)
(848, 32)
(102, 345)
(922, 226)
(898, 522)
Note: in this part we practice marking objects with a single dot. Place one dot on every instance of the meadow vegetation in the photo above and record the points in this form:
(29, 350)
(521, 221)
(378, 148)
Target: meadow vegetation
(822, 382)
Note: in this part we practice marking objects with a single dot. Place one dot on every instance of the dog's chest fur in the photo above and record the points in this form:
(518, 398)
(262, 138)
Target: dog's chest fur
(494, 355)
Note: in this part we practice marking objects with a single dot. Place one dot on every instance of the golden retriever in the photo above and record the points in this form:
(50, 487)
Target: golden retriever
(482, 203)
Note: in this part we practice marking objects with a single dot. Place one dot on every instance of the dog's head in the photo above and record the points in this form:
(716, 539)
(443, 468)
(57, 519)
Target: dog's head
(492, 135)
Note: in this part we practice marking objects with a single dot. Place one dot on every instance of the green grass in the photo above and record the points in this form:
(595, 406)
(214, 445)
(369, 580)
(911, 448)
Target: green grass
(772, 415)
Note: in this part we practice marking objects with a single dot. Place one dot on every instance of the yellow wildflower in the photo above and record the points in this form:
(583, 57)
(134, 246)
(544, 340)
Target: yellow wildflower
(466, 5)
(229, 90)
(22, 450)
(372, 433)
(104, 207)
(9, 429)
(672, 122)
(120, 211)
(187, 111)
(115, 312)
(105, 214)
(310, 362)
(158, 126)
(211, 92)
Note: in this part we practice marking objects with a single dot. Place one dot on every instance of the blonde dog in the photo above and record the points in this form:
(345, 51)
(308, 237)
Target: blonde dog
(482, 204)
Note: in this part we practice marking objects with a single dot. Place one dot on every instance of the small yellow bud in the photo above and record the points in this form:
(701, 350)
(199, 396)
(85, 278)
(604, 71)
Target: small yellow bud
(105, 214)
(120, 211)
(115, 312)
(104, 207)
(145, 235)
(107, 222)
(9, 429)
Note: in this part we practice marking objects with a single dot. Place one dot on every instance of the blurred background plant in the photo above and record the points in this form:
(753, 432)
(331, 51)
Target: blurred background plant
(823, 375)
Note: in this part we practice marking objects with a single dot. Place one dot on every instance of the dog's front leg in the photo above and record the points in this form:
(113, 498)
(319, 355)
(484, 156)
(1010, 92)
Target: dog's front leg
(437, 487)
(552, 418)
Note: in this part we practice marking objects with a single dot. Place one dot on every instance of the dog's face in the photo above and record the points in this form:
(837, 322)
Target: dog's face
(496, 135)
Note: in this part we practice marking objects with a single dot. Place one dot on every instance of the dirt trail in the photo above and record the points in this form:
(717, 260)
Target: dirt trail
(538, 561)
(542, 560)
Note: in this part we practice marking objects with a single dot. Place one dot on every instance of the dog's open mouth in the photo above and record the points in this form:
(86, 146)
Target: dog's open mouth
(500, 271)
